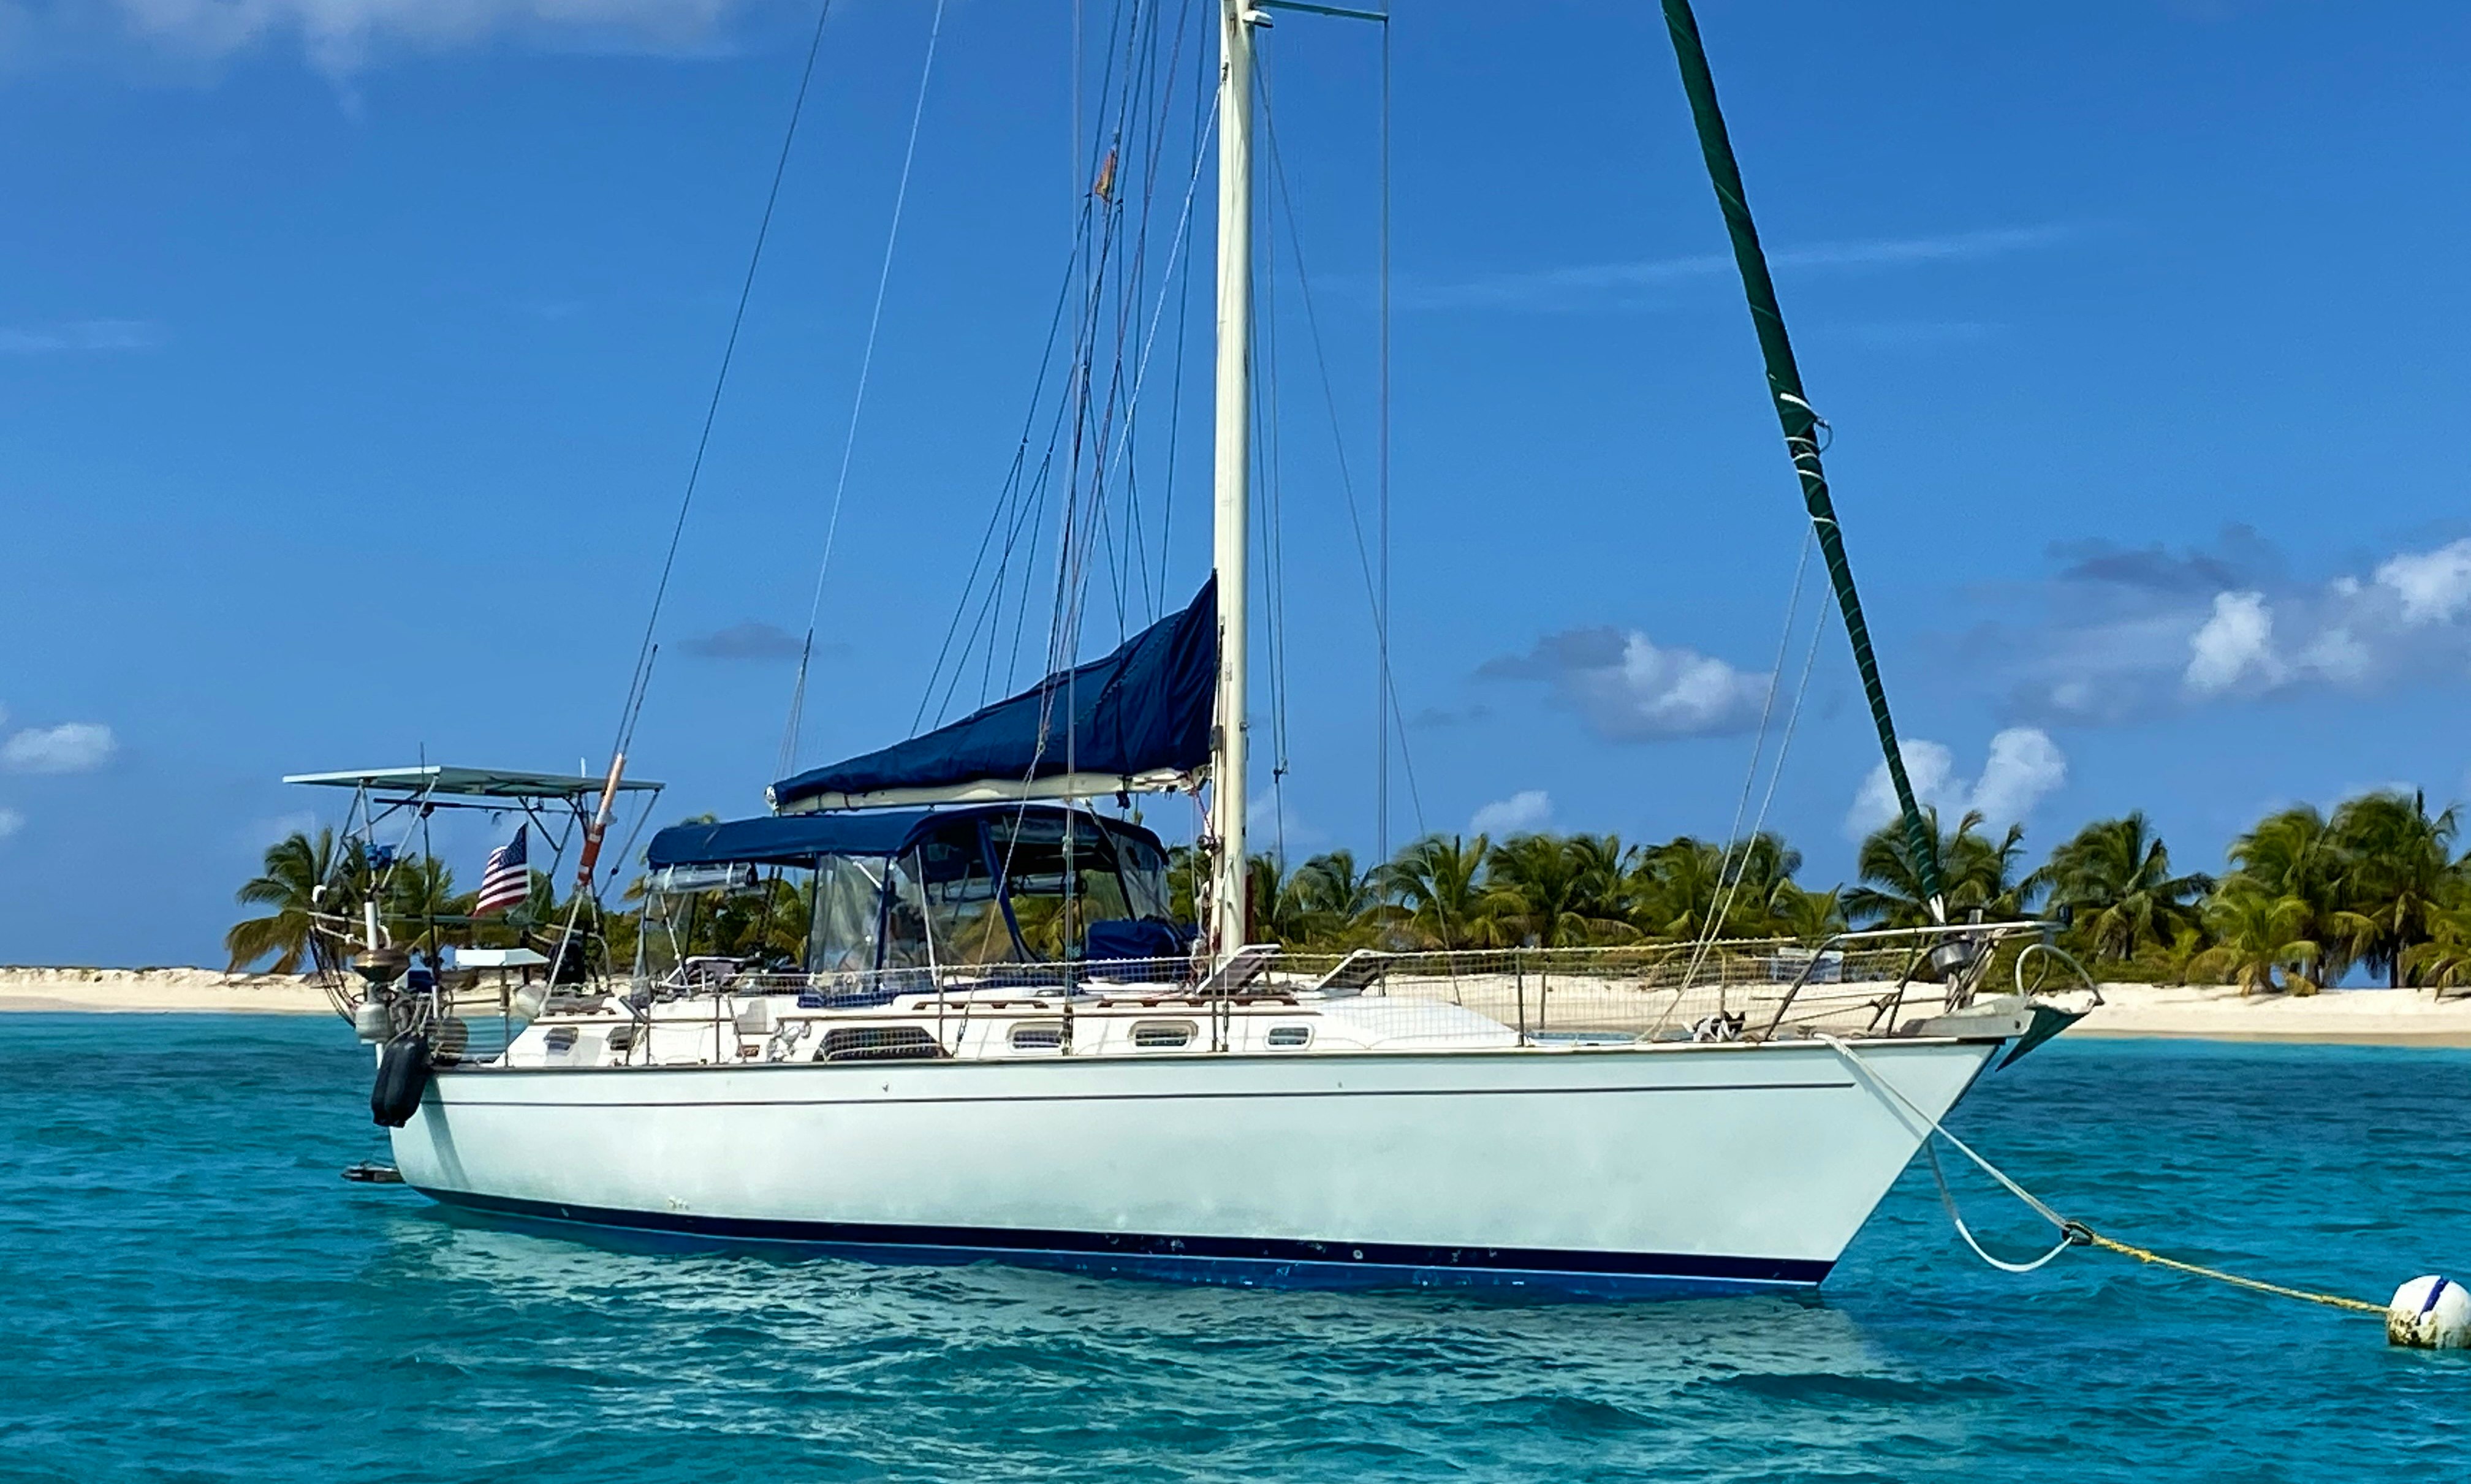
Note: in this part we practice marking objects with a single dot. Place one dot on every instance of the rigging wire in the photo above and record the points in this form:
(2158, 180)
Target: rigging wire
(858, 403)
(1740, 847)
(1115, 264)
(1201, 133)
(1270, 505)
(1374, 585)
(640, 683)
(1381, 498)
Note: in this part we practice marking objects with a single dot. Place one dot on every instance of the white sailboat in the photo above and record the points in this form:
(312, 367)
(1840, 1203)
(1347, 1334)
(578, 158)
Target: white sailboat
(926, 1085)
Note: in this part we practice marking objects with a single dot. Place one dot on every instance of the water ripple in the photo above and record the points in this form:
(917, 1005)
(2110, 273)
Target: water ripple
(195, 1296)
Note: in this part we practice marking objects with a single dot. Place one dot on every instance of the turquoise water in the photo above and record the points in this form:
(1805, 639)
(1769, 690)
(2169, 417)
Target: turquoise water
(188, 1292)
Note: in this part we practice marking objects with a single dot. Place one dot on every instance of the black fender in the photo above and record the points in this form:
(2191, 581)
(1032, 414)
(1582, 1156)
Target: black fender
(403, 1075)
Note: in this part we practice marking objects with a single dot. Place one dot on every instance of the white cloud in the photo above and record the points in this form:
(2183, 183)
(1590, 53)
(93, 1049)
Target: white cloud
(338, 35)
(71, 747)
(1928, 767)
(2024, 765)
(1590, 284)
(1627, 688)
(11, 822)
(2135, 633)
(2237, 640)
(1523, 812)
(2433, 586)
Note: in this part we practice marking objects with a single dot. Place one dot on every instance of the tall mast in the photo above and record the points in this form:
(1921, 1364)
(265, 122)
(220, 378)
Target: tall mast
(1232, 482)
(1801, 422)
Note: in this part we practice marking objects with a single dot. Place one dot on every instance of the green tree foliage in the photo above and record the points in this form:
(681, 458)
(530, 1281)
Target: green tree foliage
(2307, 898)
(1437, 885)
(2398, 873)
(2260, 941)
(2113, 881)
(2444, 959)
(1555, 891)
(1977, 874)
(302, 874)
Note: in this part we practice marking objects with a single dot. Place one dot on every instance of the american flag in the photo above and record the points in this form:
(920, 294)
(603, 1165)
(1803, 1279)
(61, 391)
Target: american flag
(508, 878)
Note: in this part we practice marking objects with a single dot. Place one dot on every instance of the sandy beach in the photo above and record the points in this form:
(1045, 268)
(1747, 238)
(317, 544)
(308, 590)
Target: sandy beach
(2367, 1016)
(159, 991)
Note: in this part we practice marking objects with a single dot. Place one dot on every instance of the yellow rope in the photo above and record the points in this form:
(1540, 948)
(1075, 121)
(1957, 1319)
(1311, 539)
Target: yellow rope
(2095, 1238)
(2071, 1232)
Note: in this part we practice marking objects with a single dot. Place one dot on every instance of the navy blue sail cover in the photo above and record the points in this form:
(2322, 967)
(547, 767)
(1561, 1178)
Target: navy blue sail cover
(1142, 709)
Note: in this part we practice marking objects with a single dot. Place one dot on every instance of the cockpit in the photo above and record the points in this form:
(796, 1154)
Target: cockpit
(867, 891)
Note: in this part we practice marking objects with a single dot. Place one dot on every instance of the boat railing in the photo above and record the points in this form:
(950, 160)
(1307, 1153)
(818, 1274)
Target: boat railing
(1873, 982)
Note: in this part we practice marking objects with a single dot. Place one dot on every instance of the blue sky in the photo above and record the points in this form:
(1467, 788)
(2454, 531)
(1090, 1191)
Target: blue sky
(352, 355)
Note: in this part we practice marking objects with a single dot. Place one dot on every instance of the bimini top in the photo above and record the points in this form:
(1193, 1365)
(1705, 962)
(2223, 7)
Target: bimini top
(786, 840)
(801, 839)
(493, 783)
(1138, 719)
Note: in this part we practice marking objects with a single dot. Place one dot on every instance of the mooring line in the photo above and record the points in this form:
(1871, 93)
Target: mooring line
(2072, 1233)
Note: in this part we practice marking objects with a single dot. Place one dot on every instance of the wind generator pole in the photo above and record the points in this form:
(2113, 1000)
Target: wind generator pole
(1801, 424)
(1231, 480)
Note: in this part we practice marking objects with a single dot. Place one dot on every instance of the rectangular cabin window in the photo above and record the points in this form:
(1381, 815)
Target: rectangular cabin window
(1162, 1035)
(878, 1044)
(560, 1040)
(1290, 1036)
(965, 920)
(844, 914)
(1039, 1036)
(1063, 873)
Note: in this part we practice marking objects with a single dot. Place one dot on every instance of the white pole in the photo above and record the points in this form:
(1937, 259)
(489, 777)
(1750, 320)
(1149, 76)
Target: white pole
(1231, 485)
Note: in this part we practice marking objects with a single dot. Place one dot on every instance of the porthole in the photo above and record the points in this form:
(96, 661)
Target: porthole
(1039, 1036)
(1289, 1037)
(1162, 1035)
(561, 1039)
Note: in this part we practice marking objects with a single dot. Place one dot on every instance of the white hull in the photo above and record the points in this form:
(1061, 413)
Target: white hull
(1633, 1170)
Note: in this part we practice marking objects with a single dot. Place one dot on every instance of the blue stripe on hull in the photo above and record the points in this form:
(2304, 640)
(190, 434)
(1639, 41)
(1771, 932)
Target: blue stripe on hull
(1241, 1262)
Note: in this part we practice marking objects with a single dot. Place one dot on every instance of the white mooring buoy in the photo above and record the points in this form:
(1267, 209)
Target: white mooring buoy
(2430, 1313)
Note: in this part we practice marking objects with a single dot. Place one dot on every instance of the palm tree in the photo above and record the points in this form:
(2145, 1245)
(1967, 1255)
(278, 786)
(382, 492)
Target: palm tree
(1674, 887)
(1680, 888)
(2258, 934)
(1558, 891)
(1799, 912)
(2443, 960)
(2113, 880)
(2400, 866)
(2293, 856)
(301, 878)
(1335, 902)
(1277, 914)
(2179, 961)
(1603, 865)
(417, 893)
(1438, 883)
(1973, 873)
(1187, 872)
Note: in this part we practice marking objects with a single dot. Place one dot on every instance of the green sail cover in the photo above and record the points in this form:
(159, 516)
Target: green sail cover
(1794, 411)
